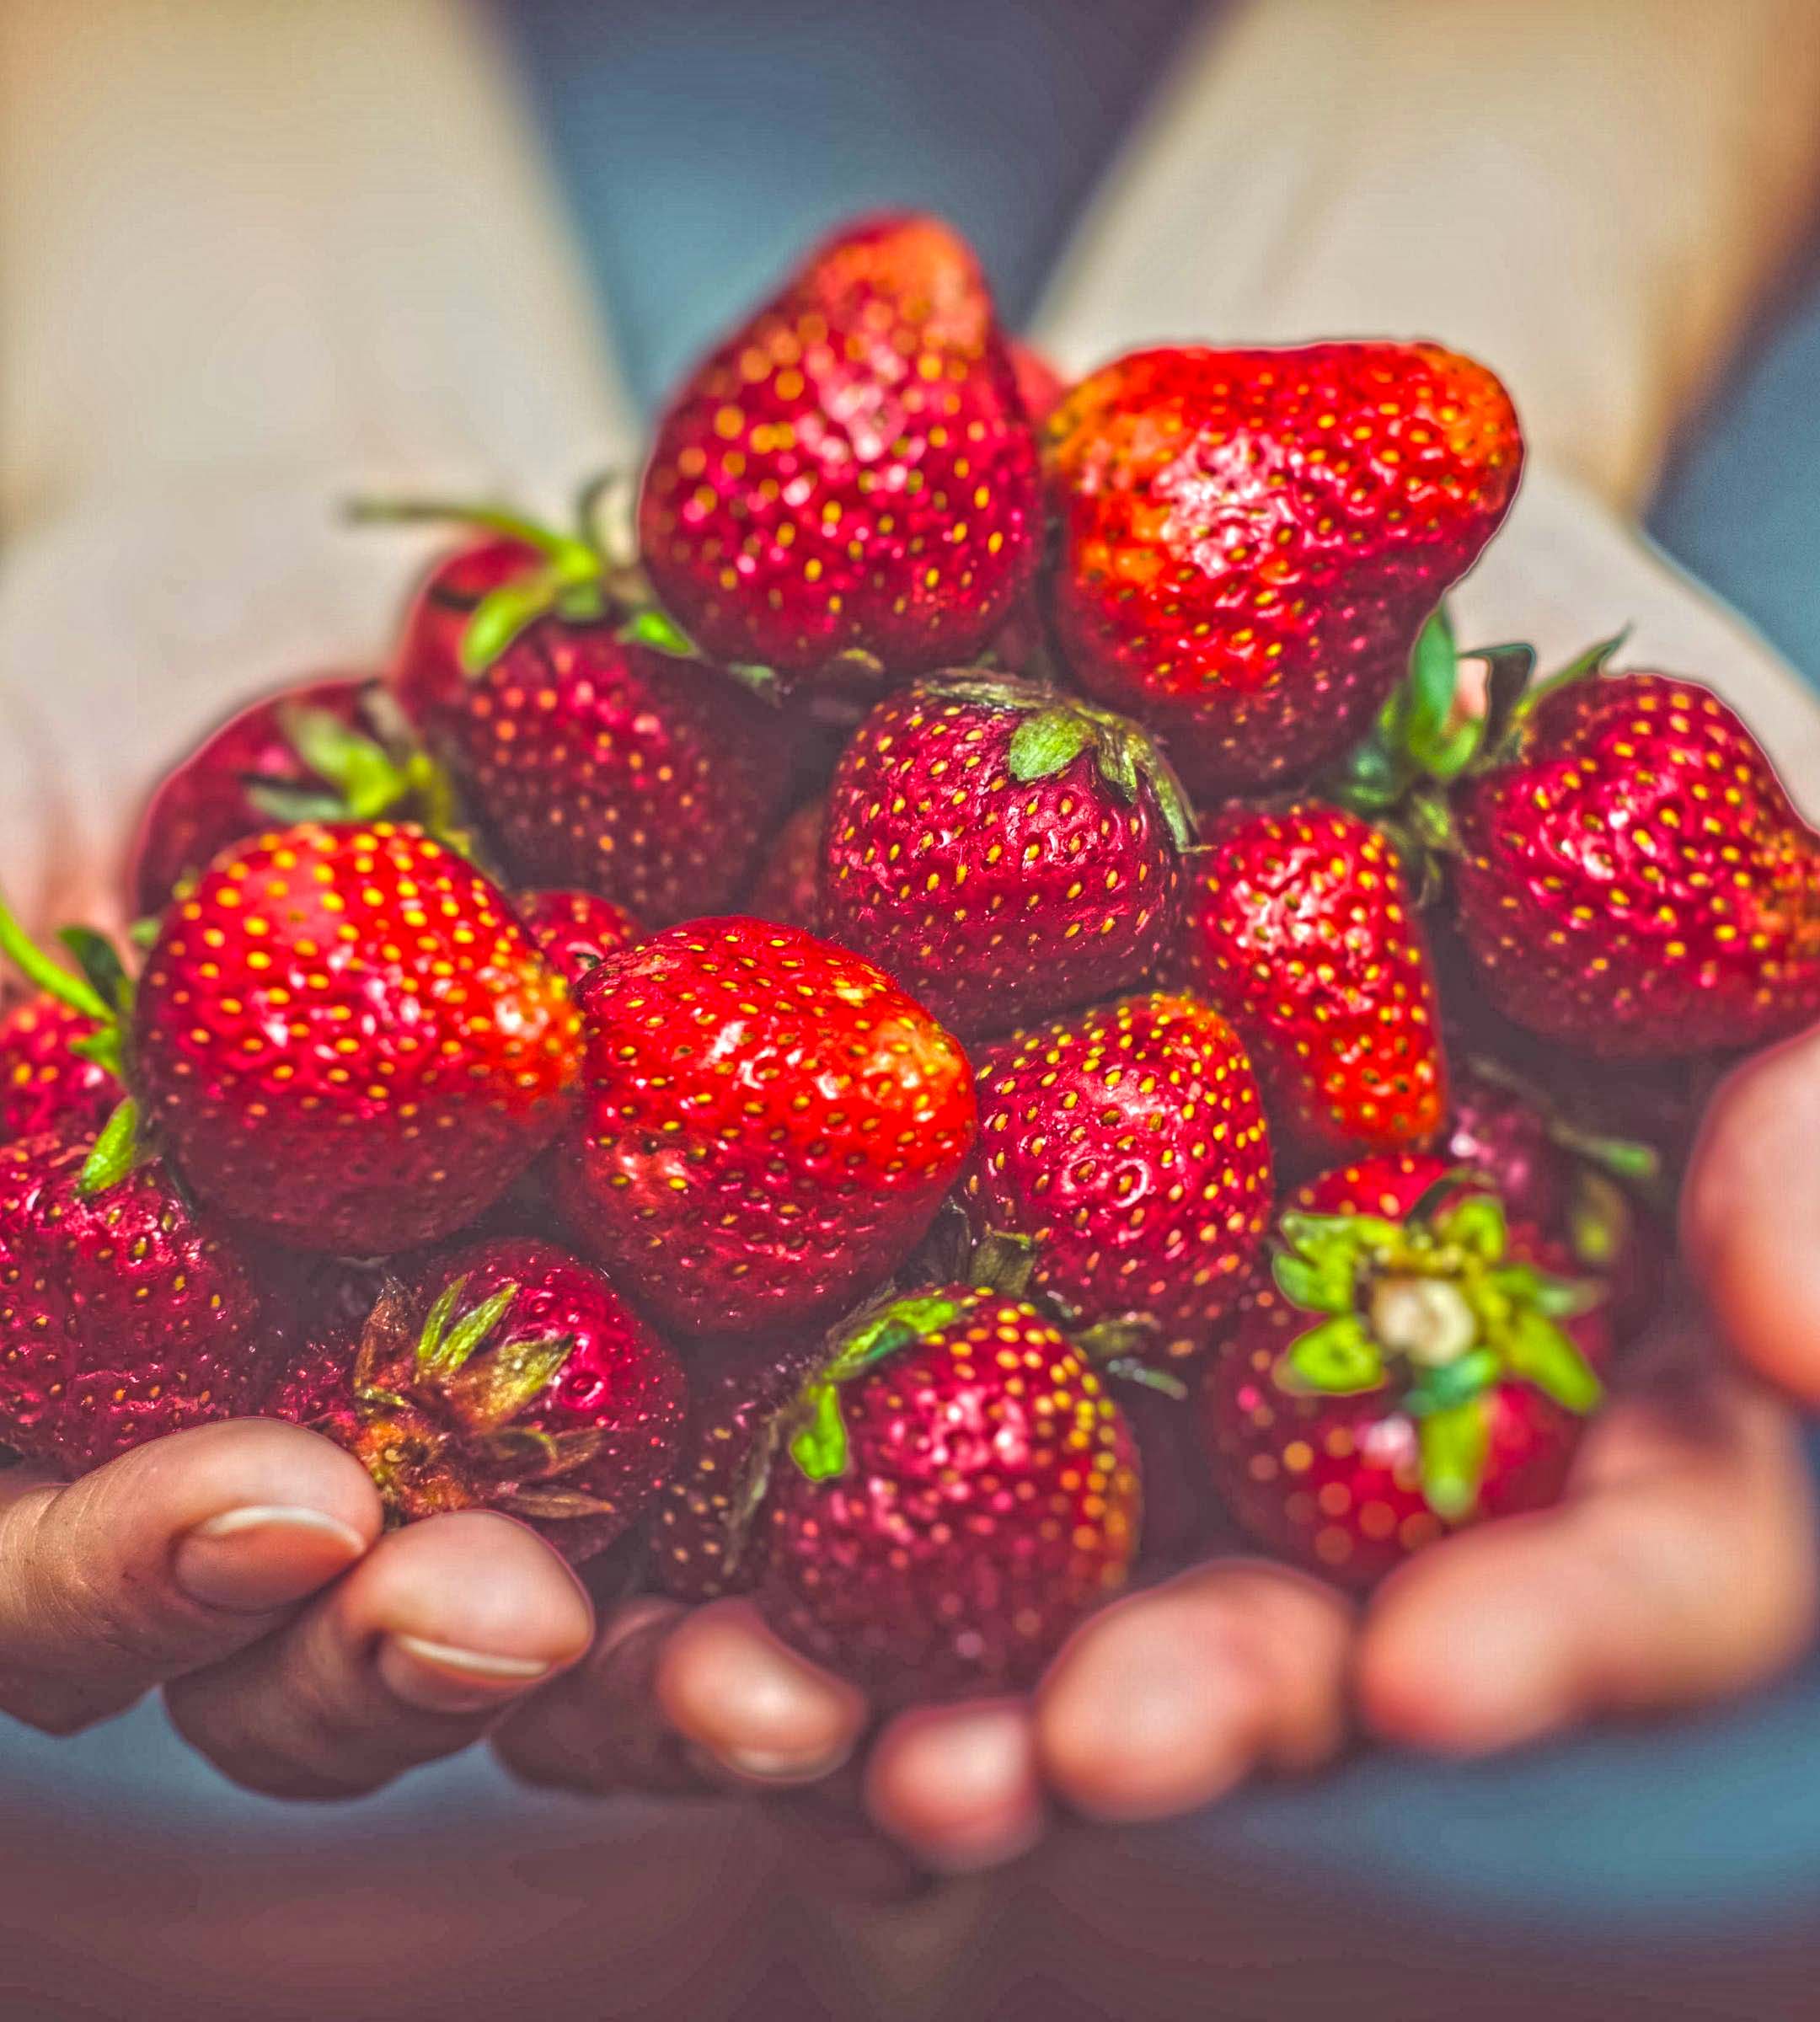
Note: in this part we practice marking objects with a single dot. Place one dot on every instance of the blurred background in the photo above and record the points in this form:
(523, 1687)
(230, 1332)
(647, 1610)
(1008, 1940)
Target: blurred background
(255, 256)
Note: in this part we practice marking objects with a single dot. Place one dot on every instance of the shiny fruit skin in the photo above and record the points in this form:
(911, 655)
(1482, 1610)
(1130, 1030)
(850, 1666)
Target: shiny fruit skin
(991, 1501)
(1300, 926)
(767, 1125)
(44, 1086)
(1040, 385)
(124, 1316)
(788, 888)
(994, 902)
(576, 930)
(610, 767)
(852, 472)
(427, 677)
(1251, 540)
(1636, 883)
(347, 1040)
(1128, 1143)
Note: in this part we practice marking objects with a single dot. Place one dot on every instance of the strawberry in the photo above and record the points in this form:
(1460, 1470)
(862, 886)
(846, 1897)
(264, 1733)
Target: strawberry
(1416, 1366)
(767, 1125)
(1128, 1143)
(125, 1313)
(955, 1491)
(508, 1376)
(345, 1038)
(1040, 386)
(848, 486)
(427, 673)
(45, 1084)
(1301, 927)
(788, 888)
(1003, 852)
(1251, 540)
(1632, 880)
(576, 930)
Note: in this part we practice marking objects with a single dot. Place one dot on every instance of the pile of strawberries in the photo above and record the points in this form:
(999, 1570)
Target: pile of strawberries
(738, 1047)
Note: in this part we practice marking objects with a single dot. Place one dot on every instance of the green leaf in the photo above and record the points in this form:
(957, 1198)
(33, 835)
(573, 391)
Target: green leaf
(1584, 667)
(819, 1446)
(1325, 1287)
(489, 1393)
(1427, 703)
(286, 803)
(900, 1325)
(571, 559)
(1475, 1225)
(38, 967)
(143, 934)
(502, 614)
(1115, 756)
(1454, 1383)
(361, 770)
(1047, 740)
(436, 1324)
(1127, 1369)
(657, 629)
(1003, 1261)
(105, 1047)
(1509, 671)
(1303, 1231)
(1540, 1353)
(472, 1328)
(98, 960)
(1454, 1443)
(1339, 1358)
(115, 1153)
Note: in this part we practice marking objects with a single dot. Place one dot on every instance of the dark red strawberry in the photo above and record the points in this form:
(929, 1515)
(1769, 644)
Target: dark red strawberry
(576, 930)
(851, 476)
(951, 1495)
(125, 1314)
(428, 674)
(1128, 1143)
(1301, 927)
(1633, 880)
(1040, 386)
(44, 1085)
(788, 888)
(346, 1039)
(509, 1376)
(1003, 852)
(1416, 1365)
(1252, 540)
(767, 1125)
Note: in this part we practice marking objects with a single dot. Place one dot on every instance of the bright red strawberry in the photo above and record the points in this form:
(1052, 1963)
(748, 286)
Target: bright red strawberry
(1040, 386)
(1633, 880)
(576, 930)
(1416, 1365)
(44, 1085)
(954, 1493)
(1252, 540)
(125, 1314)
(427, 674)
(509, 1376)
(851, 475)
(313, 751)
(1128, 1143)
(788, 888)
(1301, 927)
(346, 1039)
(1003, 852)
(767, 1125)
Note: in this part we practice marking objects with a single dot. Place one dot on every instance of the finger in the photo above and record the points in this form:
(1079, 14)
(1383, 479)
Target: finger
(1167, 1700)
(426, 1642)
(1681, 1568)
(959, 1785)
(1751, 1214)
(172, 1556)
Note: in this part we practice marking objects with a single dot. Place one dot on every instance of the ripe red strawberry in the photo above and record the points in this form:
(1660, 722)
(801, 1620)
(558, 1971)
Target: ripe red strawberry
(1128, 1143)
(1301, 927)
(1003, 852)
(1040, 386)
(509, 1376)
(123, 1313)
(427, 674)
(1416, 1365)
(851, 475)
(767, 1128)
(953, 1493)
(345, 1038)
(44, 1085)
(311, 750)
(576, 930)
(1633, 880)
(1251, 540)
(788, 888)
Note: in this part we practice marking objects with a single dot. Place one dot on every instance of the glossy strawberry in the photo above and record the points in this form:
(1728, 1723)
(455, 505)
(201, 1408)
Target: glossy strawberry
(767, 1125)
(427, 674)
(346, 1039)
(508, 1376)
(44, 1085)
(1301, 926)
(1251, 540)
(1040, 386)
(951, 1496)
(1002, 851)
(1128, 1143)
(788, 888)
(124, 1314)
(576, 930)
(1634, 881)
(851, 476)
(1416, 1365)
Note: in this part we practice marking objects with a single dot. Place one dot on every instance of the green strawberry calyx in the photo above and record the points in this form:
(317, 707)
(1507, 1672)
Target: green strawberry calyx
(1434, 1306)
(1054, 729)
(818, 1444)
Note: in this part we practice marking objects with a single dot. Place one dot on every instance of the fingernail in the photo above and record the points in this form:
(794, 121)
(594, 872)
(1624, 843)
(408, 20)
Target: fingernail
(777, 1766)
(441, 1677)
(248, 1561)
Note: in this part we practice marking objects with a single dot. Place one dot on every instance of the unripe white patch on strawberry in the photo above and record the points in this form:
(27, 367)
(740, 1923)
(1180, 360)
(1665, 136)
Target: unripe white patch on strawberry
(1426, 1319)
